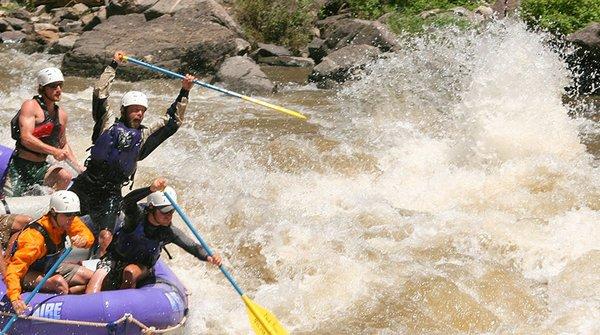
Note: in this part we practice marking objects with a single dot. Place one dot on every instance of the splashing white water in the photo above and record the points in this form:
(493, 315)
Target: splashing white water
(446, 191)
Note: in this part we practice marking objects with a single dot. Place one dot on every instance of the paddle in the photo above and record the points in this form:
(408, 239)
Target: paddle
(38, 287)
(261, 319)
(216, 88)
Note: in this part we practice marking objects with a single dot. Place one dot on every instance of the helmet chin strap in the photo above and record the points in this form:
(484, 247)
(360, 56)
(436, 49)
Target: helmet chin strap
(152, 212)
(54, 217)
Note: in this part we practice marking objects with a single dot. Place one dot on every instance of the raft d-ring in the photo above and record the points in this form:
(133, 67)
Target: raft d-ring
(111, 327)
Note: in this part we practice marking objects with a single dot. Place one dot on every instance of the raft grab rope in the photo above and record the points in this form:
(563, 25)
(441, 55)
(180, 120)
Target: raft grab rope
(125, 318)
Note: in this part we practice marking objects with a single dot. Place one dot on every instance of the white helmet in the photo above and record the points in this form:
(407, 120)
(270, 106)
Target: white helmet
(64, 202)
(158, 199)
(134, 98)
(49, 75)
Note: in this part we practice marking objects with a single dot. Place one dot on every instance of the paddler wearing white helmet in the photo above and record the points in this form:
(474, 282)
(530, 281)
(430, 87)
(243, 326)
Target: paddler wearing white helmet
(119, 142)
(39, 129)
(137, 246)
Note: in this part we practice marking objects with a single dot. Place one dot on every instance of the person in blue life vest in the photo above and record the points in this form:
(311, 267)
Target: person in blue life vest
(137, 245)
(119, 142)
(39, 129)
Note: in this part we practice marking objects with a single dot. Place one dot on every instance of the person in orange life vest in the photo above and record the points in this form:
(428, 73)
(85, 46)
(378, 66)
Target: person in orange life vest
(40, 130)
(10, 224)
(40, 244)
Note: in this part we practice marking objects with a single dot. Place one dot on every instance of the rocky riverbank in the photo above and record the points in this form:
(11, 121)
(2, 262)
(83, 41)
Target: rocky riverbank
(202, 37)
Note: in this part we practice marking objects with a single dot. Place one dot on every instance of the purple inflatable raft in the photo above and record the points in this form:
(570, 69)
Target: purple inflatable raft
(161, 306)
(158, 306)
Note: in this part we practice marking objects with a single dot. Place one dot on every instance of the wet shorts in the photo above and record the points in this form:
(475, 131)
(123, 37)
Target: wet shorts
(23, 175)
(115, 268)
(66, 269)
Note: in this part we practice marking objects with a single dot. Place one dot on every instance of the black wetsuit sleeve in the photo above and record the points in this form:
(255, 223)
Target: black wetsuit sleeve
(187, 244)
(160, 135)
(132, 211)
(98, 112)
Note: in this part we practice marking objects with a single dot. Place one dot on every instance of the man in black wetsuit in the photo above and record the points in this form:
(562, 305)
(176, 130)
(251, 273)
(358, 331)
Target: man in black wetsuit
(118, 144)
(136, 246)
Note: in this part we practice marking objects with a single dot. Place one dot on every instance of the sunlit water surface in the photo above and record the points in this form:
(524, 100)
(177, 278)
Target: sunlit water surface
(450, 190)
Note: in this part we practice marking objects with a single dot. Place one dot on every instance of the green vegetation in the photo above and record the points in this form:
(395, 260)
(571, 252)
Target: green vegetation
(560, 16)
(277, 21)
(372, 9)
(10, 6)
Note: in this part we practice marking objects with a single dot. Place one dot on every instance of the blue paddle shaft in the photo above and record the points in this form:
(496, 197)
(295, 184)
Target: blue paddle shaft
(39, 286)
(177, 75)
(204, 245)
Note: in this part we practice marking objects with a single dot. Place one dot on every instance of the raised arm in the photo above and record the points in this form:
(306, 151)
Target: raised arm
(101, 111)
(130, 207)
(159, 131)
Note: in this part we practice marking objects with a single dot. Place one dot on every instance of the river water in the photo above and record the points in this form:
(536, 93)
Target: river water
(453, 189)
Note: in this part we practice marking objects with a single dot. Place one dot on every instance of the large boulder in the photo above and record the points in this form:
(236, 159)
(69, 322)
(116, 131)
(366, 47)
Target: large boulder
(241, 74)
(63, 3)
(588, 37)
(123, 7)
(587, 57)
(12, 37)
(188, 41)
(63, 44)
(342, 64)
(210, 8)
(337, 34)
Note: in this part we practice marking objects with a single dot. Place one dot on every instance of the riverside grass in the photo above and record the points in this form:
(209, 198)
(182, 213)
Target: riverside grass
(288, 22)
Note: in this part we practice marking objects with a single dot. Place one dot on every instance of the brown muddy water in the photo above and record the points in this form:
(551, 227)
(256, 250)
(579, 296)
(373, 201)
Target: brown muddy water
(450, 190)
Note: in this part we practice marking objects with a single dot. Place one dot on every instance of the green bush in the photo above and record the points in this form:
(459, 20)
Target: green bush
(282, 22)
(10, 6)
(407, 19)
(561, 16)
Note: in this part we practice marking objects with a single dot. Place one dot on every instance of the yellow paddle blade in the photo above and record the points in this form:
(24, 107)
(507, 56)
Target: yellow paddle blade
(263, 322)
(275, 107)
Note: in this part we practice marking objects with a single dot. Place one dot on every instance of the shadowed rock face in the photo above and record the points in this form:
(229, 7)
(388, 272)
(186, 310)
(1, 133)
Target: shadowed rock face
(587, 57)
(339, 34)
(186, 41)
(243, 75)
(62, 3)
(504, 7)
(122, 7)
(588, 37)
(339, 65)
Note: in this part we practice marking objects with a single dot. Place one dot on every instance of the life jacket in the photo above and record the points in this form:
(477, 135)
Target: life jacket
(47, 131)
(136, 247)
(52, 250)
(114, 156)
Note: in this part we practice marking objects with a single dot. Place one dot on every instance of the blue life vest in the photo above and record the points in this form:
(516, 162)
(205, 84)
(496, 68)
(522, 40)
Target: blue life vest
(136, 247)
(115, 153)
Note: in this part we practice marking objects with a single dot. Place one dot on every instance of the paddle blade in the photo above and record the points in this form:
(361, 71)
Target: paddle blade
(262, 320)
(274, 107)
